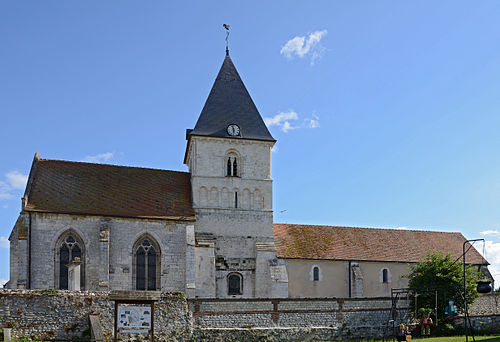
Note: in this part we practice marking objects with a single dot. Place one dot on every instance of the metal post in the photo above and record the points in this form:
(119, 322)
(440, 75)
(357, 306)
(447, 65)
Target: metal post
(466, 314)
(436, 308)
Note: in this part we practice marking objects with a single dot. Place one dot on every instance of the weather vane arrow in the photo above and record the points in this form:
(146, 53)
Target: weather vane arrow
(226, 26)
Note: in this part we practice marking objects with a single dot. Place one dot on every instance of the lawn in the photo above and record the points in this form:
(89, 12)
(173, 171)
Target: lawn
(455, 339)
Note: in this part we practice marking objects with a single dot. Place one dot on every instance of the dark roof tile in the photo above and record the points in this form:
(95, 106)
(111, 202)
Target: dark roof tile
(230, 103)
(98, 189)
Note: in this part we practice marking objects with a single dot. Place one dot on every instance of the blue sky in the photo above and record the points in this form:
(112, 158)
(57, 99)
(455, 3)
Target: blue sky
(386, 112)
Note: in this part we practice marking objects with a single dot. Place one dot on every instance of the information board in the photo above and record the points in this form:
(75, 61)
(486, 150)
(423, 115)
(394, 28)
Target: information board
(134, 318)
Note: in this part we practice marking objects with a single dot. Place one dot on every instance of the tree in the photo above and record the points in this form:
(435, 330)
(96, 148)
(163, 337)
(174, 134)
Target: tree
(444, 273)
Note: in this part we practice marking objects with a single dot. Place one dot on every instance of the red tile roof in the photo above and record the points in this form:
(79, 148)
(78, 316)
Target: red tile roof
(366, 244)
(96, 189)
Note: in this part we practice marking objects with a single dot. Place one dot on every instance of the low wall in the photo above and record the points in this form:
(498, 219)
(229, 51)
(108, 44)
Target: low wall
(64, 315)
(334, 317)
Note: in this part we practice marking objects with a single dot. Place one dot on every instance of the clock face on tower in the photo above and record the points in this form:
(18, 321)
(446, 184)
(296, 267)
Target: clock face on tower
(233, 130)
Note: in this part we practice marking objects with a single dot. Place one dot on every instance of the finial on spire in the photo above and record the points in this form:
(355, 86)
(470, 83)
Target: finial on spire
(226, 26)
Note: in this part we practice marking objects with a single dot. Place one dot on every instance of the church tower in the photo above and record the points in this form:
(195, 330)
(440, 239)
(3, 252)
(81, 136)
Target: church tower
(229, 157)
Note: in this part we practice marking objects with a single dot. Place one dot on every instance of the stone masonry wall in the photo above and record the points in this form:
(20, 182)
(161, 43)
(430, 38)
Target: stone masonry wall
(64, 315)
(123, 233)
(341, 318)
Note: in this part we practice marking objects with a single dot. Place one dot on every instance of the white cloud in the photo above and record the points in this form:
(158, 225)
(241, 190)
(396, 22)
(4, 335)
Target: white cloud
(17, 180)
(99, 158)
(3, 282)
(401, 228)
(5, 191)
(275, 149)
(492, 252)
(303, 45)
(284, 121)
(14, 181)
(4, 242)
(490, 232)
(313, 123)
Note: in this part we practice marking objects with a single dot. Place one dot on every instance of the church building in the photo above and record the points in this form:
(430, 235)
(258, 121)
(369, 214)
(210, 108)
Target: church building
(208, 232)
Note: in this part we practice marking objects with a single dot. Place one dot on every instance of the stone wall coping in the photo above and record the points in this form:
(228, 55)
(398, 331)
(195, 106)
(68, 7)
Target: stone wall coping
(135, 295)
(323, 299)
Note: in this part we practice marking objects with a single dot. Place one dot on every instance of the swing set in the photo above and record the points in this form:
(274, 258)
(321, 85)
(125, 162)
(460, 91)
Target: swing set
(401, 308)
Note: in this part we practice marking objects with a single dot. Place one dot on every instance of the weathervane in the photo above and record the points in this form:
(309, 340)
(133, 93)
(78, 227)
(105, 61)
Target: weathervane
(226, 26)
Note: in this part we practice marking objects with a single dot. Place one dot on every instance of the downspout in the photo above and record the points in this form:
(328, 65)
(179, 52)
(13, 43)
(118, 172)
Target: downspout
(29, 252)
(349, 271)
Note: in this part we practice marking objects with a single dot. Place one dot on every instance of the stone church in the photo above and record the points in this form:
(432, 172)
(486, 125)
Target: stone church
(208, 232)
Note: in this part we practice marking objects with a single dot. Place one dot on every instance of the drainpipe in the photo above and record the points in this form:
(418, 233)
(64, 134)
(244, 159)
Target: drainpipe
(29, 251)
(349, 271)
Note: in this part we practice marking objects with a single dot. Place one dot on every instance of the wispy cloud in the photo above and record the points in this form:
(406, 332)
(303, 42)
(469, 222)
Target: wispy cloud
(490, 232)
(4, 242)
(282, 120)
(312, 123)
(99, 158)
(492, 251)
(401, 228)
(289, 121)
(3, 282)
(302, 46)
(17, 180)
(5, 191)
(275, 149)
(14, 181)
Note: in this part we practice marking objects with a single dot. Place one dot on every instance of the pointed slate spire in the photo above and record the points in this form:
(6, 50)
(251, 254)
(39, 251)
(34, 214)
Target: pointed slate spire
(229, 103)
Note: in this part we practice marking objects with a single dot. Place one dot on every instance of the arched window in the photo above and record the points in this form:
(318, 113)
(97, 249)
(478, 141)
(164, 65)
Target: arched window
(233, 164)
(385, 275)
(147, 264)
(234, 284)
(235, 167)
(315, 273)
(69, 247)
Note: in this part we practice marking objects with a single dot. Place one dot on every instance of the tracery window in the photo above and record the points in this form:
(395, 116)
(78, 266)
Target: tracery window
(69, 247)
(234, 284)
(147, 265)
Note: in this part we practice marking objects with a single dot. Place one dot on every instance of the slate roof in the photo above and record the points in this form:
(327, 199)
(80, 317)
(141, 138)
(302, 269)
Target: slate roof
(58, 186)
(230, 103)
(366, 244)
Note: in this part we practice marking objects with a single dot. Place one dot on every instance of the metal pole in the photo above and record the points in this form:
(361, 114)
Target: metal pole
(465, 299)
(436, 308)
(466, 314)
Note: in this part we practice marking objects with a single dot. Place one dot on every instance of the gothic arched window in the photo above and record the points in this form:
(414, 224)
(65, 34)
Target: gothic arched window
(234, 284)
(147, 265)
(69, 247)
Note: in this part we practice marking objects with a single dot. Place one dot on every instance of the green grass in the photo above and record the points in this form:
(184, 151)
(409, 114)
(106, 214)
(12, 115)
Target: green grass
(458, 339)
(453, 339)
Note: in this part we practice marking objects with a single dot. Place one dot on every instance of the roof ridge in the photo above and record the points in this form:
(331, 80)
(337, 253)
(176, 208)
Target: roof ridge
(372, 228)
(112, 165)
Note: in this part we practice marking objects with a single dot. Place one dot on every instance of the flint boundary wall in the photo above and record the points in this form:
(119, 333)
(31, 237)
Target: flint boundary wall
(64, 315)
(485, 313)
